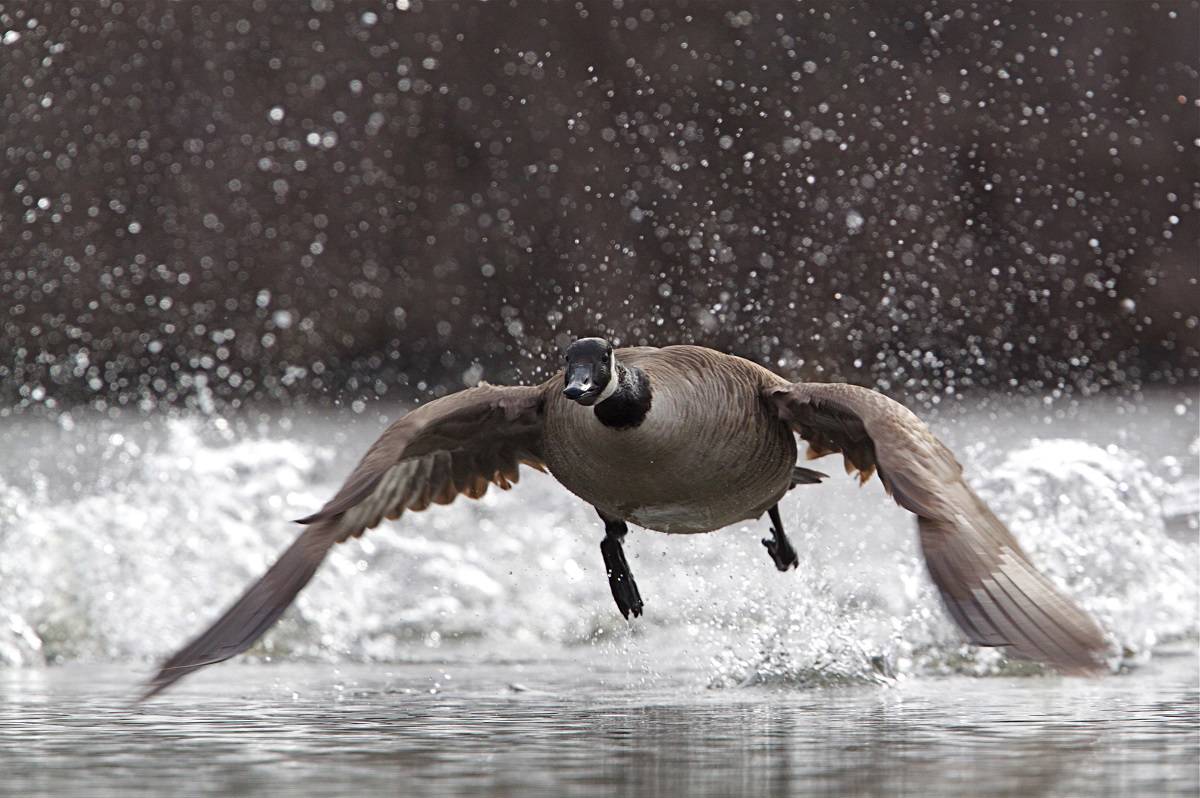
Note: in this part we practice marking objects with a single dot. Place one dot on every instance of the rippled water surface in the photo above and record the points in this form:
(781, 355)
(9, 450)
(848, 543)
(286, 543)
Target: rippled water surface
(475, 647)
(586, 724)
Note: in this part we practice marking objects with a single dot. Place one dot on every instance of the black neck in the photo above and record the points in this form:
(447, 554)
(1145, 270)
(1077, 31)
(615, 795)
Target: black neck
(630, 403)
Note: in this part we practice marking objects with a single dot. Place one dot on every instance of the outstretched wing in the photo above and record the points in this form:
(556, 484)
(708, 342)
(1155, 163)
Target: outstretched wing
(459, 444)
(988, 584)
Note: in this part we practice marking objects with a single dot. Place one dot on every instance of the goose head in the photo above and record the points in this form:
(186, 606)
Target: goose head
(591, 372)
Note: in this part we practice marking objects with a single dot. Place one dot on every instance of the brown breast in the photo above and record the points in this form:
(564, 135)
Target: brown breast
(709, 454)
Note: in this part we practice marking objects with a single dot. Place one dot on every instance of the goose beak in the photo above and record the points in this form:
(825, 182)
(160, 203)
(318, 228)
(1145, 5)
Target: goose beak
(576, 390)
(581, 387)
(583, 392)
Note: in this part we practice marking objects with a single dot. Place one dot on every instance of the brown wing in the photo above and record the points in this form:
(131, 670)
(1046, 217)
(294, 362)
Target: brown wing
(459, 444)
(987, 582)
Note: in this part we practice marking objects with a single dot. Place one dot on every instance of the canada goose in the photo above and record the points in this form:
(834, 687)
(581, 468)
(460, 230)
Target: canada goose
(681, 439)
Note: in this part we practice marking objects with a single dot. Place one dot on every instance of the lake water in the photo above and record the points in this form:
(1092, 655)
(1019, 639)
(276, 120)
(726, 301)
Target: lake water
(475, 647)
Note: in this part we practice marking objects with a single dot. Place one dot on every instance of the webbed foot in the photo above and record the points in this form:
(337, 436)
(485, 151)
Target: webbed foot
(620, 580)
(778, 545)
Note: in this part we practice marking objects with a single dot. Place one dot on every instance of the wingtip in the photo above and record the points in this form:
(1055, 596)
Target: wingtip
(1098, 659)
(1092, 670)
(1090, 664)
(151, 688)
(169, 674)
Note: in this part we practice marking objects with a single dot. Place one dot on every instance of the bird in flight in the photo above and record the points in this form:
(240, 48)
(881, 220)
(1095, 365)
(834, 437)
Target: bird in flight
(679, 439)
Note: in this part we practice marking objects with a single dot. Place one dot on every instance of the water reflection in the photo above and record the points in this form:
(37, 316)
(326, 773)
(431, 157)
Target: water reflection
(578, 727)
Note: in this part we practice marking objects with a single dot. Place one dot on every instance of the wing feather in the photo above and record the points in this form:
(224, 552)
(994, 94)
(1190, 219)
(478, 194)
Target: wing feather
(252, 614)
(987, 582)
(459, 444)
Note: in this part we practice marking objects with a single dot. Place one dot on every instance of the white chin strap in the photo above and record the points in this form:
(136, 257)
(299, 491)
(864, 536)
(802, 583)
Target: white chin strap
(613, 382)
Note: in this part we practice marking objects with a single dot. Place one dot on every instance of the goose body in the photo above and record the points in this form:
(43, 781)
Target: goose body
(708, 454)
(682, 439)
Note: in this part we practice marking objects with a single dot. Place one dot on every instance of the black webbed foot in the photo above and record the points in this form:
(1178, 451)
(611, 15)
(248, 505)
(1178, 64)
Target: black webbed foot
(778, 545)
(624, 589)
(620, 580)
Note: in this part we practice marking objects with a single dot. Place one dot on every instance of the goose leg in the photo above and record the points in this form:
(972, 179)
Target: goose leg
(620, 580)
(778, 545)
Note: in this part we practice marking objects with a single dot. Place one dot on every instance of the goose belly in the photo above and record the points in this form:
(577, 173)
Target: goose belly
(697, 516)
(673, 478)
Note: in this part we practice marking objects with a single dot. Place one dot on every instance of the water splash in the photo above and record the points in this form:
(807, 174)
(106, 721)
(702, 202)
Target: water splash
(93, 576)
(1091, 518)
(129, 565)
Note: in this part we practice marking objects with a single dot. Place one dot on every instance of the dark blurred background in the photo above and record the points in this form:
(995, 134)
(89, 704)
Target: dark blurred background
(338, 200)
